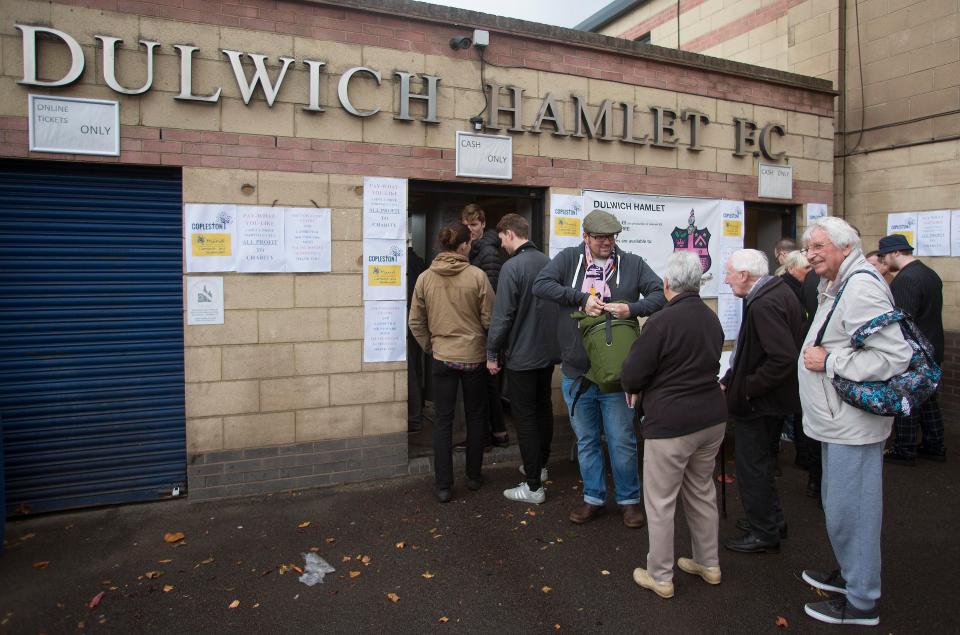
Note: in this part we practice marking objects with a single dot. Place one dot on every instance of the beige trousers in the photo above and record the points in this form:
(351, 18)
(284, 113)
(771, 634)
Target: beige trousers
(681, 465)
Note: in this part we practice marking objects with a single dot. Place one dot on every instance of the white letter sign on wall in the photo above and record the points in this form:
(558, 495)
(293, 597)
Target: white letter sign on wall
(484, 156)
(776, 181)
(74, 126)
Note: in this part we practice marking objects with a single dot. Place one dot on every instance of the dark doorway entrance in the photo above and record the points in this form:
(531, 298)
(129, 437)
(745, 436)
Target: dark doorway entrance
(766, 224)
(431, 205)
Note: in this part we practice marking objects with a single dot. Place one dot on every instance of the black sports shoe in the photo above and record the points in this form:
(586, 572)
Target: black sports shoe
(832, 581)
(744, 525)
(839, 611)
(940, 456)
(899, 458)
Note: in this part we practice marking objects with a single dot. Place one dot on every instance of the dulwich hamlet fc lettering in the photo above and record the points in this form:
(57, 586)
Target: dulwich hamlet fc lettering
(505, 102)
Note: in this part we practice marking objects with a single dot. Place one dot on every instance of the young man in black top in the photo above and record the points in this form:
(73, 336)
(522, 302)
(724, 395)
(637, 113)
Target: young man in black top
(918, 290)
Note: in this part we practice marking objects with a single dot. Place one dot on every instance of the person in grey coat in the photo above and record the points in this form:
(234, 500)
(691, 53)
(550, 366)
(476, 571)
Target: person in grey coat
(597, 277)
(852, 439)
(522, 338)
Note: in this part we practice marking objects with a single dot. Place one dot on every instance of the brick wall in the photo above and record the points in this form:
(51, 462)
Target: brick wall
(278, 396)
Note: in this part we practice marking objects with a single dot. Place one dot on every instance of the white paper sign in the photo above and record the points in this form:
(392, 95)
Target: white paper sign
(384, 208)
(933, 233)
(384, 331)
(74, 126)
(566, 217)
(776, 181)
(210, 237)
(384, 270)
(656, 226)
(815, 211)
(955, 232)
(205, 300)
(484, 156)
(730, 312)
(904, 223)
(260, 239)
(307, 239)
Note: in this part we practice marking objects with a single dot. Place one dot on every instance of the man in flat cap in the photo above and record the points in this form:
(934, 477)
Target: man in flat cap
(597, 277)
(917, 290)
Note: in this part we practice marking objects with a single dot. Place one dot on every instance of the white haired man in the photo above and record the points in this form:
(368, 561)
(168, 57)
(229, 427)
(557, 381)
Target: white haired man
(761, 389)
(851, 439)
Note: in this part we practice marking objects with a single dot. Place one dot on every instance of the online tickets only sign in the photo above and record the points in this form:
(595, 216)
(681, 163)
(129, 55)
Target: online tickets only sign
(656, 226)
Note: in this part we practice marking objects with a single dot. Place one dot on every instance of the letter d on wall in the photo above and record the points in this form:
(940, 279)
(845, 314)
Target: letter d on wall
(30, 56)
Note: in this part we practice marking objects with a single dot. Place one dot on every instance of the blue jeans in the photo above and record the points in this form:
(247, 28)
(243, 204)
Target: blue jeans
(604, 413)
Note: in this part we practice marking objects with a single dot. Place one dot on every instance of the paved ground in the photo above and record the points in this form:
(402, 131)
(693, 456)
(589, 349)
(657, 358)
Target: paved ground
(480, 564)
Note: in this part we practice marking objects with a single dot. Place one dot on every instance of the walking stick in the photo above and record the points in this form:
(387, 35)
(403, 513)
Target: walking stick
(723, 476)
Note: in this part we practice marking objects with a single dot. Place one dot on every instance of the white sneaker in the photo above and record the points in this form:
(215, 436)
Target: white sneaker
(543, 473)
(523, 493)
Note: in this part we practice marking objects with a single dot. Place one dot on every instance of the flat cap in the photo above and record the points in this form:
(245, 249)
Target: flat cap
(892, 243)
(601, 222)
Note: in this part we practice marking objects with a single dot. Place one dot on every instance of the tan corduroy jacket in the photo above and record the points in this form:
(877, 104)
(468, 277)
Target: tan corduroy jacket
(451, 308)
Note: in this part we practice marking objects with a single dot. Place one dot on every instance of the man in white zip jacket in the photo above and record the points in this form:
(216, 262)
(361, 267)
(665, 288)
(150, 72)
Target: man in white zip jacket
(852, 438)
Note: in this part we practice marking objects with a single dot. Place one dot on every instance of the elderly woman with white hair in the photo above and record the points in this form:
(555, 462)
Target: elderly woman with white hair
(673, 368)
(851, 295)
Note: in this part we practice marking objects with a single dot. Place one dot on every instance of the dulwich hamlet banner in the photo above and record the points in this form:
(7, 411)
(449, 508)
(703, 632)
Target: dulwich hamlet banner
(656, 226)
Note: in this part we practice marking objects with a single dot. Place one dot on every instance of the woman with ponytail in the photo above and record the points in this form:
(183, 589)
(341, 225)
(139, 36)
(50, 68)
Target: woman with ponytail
(449, 316)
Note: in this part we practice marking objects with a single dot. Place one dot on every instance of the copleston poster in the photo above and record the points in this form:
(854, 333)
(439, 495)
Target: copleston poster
(566, 216)
(253, 239)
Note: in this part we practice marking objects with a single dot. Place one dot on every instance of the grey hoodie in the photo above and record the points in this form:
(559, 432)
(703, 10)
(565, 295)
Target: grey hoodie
(560, 281)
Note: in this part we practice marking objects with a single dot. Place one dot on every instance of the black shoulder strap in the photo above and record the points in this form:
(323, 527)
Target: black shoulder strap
(836, 300)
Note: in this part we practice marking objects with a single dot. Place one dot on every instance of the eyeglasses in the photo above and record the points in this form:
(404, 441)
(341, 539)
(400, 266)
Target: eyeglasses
(815, 247)
(603, 237)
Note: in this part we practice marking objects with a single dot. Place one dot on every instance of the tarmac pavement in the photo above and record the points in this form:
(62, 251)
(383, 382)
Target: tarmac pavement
(480, 564)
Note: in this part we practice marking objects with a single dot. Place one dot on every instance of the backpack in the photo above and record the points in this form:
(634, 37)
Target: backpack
(607, 341)
(902, 394)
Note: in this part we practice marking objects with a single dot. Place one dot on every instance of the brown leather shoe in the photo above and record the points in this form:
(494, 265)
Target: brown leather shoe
(633, 516)
(585, 512)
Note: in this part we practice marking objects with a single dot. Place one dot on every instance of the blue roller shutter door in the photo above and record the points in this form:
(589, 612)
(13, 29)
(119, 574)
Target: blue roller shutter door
(91, 334)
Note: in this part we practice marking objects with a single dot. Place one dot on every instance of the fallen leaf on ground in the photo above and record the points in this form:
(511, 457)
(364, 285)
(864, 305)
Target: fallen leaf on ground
(167, 588)
(435, 536)
(330, 541)
(165, 561)
(393, 597)
(427, 575)
(346, 559)
(365, 560)
(822, 593)
(25, 537)
(604, 572)
(314, 549)
(531, 513)
(304, 524)
(433, 531)
(782, 622)
(556, 627)
(95, 600)
(233, 604)
(297, 569)
(546, 589)
(354, 574)
(256, 606)
(207, 561)
(43, 564)
(153, 575)
(444, 619)
(174, 536)
(400, 545)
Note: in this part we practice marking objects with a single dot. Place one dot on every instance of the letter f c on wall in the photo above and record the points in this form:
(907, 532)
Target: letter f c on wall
(30, 56)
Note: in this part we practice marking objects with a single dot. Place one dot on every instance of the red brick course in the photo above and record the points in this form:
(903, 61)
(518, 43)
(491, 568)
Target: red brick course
(360, 27)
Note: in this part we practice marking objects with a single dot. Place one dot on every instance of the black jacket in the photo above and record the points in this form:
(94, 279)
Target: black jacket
(485, 254)
(918, 290)
(674, 365)
(561, 280)
(524, 327)
(763, 379)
